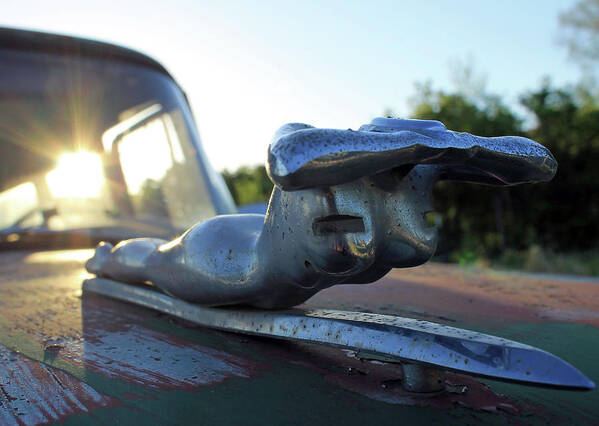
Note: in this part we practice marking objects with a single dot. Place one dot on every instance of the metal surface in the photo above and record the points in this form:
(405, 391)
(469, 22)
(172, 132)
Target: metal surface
(153, 368)
(302, 156)
(361, 212)
(411, 340)
(422, 379)
(42, 394)
(46, 64)
(72, 47)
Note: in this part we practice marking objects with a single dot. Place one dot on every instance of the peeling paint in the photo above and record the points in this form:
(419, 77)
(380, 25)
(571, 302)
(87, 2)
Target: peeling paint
(43, 314)
(32, 393)
(146, 357)
(382, 381)
(103, 336)
(447, 293)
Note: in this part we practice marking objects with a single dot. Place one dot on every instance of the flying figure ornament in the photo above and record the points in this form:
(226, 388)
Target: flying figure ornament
(347, 207)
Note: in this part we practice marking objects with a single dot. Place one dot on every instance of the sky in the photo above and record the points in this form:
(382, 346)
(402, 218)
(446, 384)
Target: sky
(249, 67)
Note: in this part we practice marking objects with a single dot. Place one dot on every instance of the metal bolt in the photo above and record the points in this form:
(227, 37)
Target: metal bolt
(422, 379)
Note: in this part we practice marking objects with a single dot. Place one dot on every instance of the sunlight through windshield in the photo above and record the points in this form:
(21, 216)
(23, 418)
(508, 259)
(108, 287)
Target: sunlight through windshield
(78, 175)
(89, 143)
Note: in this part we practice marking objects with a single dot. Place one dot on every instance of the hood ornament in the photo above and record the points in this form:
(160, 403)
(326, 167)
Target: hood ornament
(347, 207)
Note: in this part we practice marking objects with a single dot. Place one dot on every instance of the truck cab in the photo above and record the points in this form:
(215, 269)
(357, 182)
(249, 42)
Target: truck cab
(98, 143)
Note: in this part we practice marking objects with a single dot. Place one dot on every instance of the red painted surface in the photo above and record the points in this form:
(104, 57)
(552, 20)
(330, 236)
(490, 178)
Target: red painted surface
(381, 381)
(41, 296)
(41, 300)
(33, 393)
(445, 292)
(117, 345)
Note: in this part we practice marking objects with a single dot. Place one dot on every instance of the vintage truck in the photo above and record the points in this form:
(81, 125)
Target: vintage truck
(98, 143)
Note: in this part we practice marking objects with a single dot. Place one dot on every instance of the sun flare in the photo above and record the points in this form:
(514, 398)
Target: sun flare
(78, 175)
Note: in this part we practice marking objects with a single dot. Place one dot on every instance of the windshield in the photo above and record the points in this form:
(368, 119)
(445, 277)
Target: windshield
(89, 143)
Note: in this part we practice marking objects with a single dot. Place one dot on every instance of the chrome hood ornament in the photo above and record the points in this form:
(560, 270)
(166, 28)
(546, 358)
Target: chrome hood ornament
(424, 348)
(305, 157)
(347, 207)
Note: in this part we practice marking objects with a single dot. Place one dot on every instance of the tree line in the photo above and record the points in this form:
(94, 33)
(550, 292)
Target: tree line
(516, 225)
(548, 227)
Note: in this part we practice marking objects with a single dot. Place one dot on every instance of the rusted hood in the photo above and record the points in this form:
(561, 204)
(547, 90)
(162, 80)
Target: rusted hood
(67, 357)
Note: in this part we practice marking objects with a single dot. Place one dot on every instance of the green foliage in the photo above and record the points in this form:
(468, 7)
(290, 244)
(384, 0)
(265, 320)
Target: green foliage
(580, 30)
(248, 184)
(474, 216)
(565, 211)
(483, 222)
(528, 226)
(150, 200)
(537, 259)
(485, 116)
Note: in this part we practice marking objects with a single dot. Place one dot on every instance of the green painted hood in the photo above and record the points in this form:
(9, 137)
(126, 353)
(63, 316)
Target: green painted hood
(72, 358)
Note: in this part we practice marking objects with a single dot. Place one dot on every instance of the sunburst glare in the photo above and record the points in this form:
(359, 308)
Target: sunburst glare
(78, 175)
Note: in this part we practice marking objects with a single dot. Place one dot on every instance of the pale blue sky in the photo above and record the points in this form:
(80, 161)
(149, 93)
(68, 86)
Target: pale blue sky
(251, 66)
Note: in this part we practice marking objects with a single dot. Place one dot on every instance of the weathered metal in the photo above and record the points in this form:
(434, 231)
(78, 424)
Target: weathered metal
(415, 341)
(159, 369)
(348, 207)
(421, 378)
(33, 393)
(83, 358)
(302, 156)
